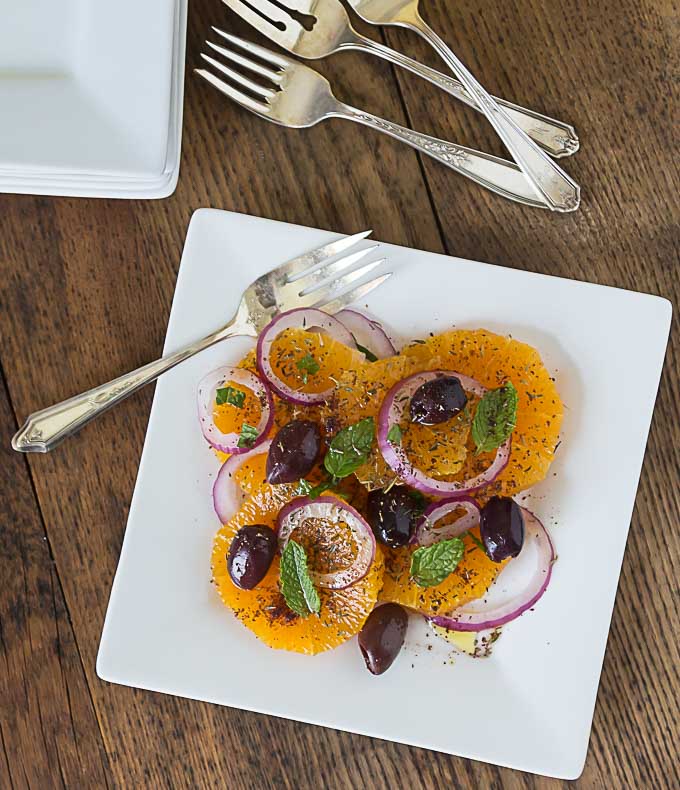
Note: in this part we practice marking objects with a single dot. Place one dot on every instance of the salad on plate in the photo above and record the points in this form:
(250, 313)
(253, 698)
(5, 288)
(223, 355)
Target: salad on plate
(360, 484)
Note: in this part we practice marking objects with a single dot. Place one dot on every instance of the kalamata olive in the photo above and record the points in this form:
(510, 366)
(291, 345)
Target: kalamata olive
(392, 515)
(502, 528)
(438, 400)
(293, 451)
(250, 555)
(382, 637)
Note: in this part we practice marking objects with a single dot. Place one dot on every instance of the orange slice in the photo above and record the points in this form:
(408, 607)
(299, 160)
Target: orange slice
(264, 610)
(308, 362)
(492, 360)
(469, 581)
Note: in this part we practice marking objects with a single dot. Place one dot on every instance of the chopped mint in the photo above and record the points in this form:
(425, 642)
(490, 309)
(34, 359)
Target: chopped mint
(231, 396)
(248, 435)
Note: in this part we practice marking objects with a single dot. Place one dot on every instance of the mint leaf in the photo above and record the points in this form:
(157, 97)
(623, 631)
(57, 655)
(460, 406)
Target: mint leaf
(296, 585)
(319, 489)
(370, 356)
(495, 418)
(430, 565)
(309, 365)
(248, 435)
(476, 541)
(304, 488)
(419, 499)
(394, 434)
(231, 396)
(350, 448)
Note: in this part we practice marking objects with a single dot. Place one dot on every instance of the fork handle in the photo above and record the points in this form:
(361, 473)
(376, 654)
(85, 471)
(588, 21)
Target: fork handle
(44, 430)
(556, 137)
(560, 192)
(500, 176)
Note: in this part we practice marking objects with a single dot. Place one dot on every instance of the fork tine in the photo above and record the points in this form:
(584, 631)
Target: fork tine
(272, 12)
(255, 49)
(336, 284)
(247, 63)
(240, 98)
(350, 297)
(235, 76)
(317, 276)
(264, 25)
(309, 260)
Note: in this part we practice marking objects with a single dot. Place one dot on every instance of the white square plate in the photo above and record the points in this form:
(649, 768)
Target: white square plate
(530, 705)
(105, 124)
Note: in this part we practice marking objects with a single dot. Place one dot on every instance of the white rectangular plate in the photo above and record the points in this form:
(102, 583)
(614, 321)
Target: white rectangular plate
(530, 705)
(79, 102)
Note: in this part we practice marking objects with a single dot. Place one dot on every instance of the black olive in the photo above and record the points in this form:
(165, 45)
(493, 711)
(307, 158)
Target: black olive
(293, 451)
(250, 555)
(392, 515)
(382, 637)
(437, 401)
(502, 528)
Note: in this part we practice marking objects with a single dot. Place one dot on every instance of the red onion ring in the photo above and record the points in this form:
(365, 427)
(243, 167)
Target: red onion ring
(427, 533)
(499, 605)
(228, 442)
(300, 318)
(368, 332)
(332, 509)
(227, 495)
(390, 414)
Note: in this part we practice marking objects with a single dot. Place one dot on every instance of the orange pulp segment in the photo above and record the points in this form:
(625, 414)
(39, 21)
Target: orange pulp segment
(490, 359)
(309, 362)
(471, 579)
(264, 610)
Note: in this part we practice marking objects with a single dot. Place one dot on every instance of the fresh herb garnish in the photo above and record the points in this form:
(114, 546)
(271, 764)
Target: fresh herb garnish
(309, 365)
(430, 565)
(420, 501)
(370, 356)
(350, 448)
(248, 435)
(296, 584)
(394, 434)
(304, 488)
(476, 541)
(231, 396)
(319, 489)
(495, 418)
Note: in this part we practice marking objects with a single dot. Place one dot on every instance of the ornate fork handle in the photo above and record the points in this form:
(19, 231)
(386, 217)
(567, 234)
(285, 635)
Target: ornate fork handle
(44, 430)
(557, 138)
(560, 192)
(498, 175)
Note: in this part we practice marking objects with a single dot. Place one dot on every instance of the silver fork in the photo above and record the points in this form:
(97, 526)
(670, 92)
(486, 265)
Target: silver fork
(558, 191)
(310, 280)
(333, 32)
(297, 96)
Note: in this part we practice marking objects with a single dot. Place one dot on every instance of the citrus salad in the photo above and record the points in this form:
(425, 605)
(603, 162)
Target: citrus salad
(359, 483)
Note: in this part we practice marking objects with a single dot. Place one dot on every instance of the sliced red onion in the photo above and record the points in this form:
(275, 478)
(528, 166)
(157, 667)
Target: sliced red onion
(427, 531)
(518, 586)
(227, 494)
(207, 390)
(302, 318)
(331, 509)
(391, 411)
(368, 333)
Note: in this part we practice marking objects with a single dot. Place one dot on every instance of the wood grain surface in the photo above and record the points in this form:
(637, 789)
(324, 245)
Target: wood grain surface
(85, 294)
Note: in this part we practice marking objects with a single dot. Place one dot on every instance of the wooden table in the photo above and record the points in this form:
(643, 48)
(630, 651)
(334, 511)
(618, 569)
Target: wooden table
(86, 289)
